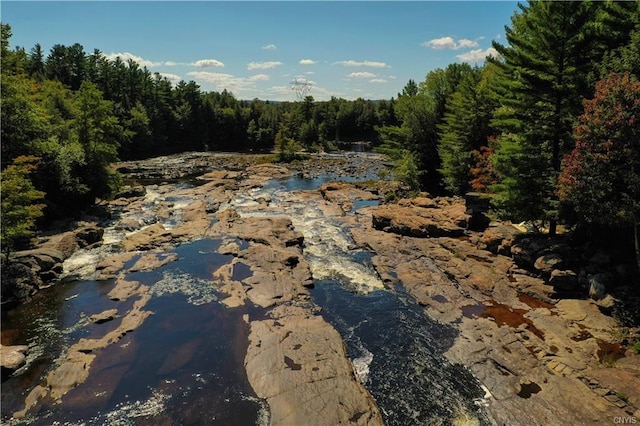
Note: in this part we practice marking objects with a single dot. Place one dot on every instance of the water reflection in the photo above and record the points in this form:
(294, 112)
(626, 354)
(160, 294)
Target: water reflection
(183, 365)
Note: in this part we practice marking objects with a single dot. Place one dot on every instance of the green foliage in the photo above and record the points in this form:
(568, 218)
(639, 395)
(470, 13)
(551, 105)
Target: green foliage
(419, 110)
(406, 168)
(466, 129)
(79, 111)
(601, 177)
(97, 132)
(286, 146)
(19, 203)
(553, 46)
(22, 119)
(11, 62)
(407, 172)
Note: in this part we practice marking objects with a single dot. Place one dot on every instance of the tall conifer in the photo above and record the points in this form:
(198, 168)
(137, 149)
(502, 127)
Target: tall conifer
(545, 68)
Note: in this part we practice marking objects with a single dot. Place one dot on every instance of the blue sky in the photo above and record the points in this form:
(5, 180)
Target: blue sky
(255, 49)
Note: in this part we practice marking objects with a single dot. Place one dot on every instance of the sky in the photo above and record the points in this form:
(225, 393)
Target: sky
(257, 49)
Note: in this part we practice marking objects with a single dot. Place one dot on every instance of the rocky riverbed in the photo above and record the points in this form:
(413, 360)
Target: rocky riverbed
(270, 254)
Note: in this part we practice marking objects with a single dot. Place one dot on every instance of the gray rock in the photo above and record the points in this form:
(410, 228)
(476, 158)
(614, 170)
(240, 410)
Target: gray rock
(548, 262)
(598, 285)
(563, 280)
(19, 282)
(131, 192)
(89, 235)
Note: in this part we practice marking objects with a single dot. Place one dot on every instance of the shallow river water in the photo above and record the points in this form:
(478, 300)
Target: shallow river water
(184, 364)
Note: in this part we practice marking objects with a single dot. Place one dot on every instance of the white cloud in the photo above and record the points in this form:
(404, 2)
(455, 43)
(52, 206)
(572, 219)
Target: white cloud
(237, 85)
(378, 80)
(283, 93)
(270, 47)
(127, 55)
(170, 64)
(258, 77)
(478, 55)
(309, 73)
(372, 64)
(467, 44)
(212, 77)
(207, 63)
(363, 74)
(263, 65)
(307, 62)
(173, 78)
(450, 43)
(392, 77)
(440, 43)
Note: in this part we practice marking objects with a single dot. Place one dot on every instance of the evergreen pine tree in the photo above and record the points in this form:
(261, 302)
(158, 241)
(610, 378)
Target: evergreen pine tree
(545, 70)
(466, 129)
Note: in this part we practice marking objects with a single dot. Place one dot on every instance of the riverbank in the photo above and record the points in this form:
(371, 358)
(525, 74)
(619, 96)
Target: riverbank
(541, 353)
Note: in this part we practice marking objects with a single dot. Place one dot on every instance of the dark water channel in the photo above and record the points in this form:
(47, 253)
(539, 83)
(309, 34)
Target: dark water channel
(400, 351)
(184, 364)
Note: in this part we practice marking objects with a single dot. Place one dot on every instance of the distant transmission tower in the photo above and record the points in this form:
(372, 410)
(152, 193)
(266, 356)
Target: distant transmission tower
(301, 86)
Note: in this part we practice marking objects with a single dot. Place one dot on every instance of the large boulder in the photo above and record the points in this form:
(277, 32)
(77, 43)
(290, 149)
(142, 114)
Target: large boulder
(563, 281)
(19, 281)
(12, 358)
(89, 235)
(147, 238)
(598, 284)
(422, 218)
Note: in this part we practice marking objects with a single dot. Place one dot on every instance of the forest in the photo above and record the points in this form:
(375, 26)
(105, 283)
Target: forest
(547, 128)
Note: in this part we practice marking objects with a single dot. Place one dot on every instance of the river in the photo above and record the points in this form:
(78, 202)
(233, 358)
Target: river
(184, 364)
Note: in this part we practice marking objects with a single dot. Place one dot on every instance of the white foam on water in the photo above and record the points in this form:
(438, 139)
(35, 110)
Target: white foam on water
(82, 264)
(198, 291)
(126, 414)
(362, 365)
(327, 245)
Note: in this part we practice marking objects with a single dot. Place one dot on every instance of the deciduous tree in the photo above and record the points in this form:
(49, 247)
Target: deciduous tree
(601, 177)
(20, 208)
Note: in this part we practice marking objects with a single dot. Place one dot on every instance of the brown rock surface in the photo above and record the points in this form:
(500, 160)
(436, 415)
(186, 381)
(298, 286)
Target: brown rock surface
(532, 356)
(297, 362)
(112, 265)
(421, 218)
(148, 238)
(345, 193)
(12, 357)
(150, 261)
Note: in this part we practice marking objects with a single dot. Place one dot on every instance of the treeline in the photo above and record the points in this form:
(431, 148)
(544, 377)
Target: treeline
(77, 112)
(528, 126)
(549, 125)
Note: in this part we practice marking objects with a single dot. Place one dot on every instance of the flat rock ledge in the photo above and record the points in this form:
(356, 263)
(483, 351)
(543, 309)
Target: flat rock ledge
(423, 217)
(542, 360)
(298, 363)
